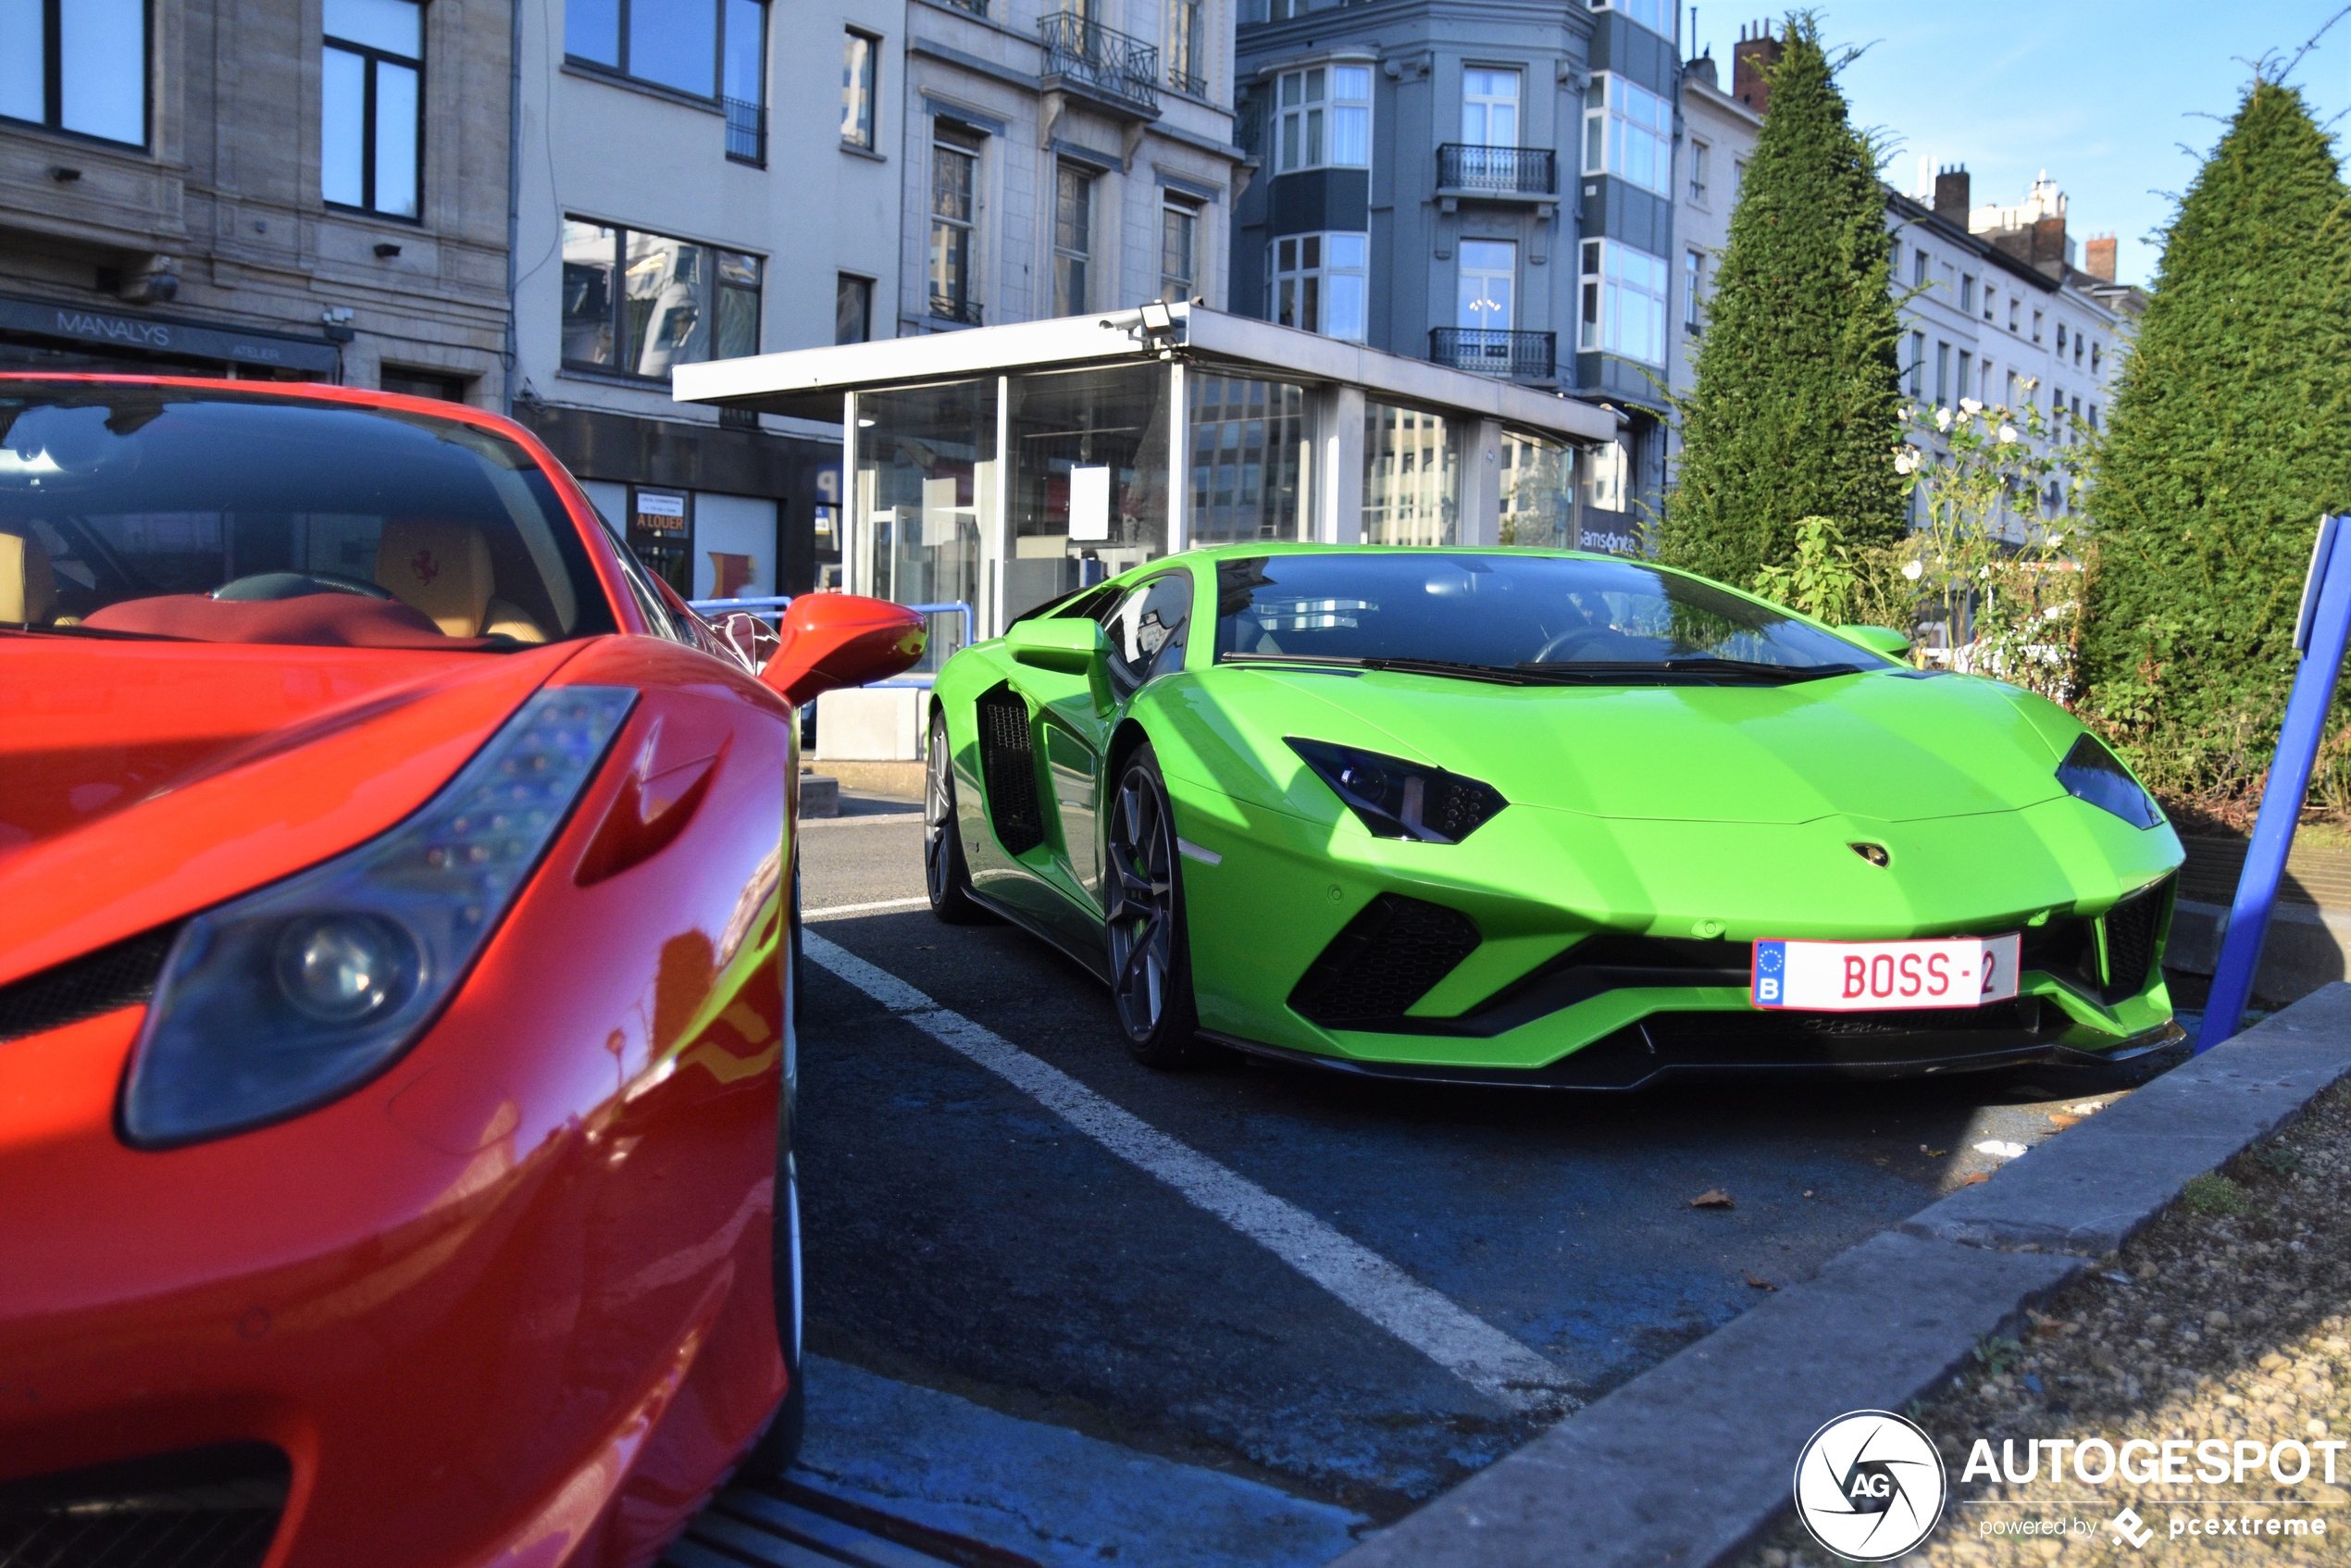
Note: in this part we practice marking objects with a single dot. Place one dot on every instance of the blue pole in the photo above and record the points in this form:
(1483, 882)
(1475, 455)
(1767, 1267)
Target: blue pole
(2320, 631)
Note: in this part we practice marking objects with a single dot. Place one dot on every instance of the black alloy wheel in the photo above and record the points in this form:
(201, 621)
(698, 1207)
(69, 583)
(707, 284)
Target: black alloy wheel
(1151, 965)
(945, 875)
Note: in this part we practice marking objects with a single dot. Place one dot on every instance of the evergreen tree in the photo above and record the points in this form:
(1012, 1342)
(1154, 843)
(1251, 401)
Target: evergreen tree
(2231, 432)
(1798, 409)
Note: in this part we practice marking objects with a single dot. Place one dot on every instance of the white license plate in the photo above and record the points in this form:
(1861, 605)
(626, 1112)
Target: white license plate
(1874, 977)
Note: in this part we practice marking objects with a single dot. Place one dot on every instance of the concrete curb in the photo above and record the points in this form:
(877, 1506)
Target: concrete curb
(1688, 1463)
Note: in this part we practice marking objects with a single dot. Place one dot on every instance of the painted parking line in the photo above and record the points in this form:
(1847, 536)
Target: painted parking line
(1462, 1343)
(832, 912)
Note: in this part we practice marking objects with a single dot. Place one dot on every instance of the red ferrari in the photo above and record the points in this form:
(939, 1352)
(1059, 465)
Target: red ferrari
(396, 901)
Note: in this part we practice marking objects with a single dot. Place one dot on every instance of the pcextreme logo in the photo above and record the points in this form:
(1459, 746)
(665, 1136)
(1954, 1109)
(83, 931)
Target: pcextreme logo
(1870, 1485)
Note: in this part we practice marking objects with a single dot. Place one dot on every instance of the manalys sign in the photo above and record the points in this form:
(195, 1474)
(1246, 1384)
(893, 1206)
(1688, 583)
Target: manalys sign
(150, 335)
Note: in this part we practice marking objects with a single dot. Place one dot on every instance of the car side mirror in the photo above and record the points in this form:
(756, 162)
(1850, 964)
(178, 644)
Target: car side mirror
(753, 640)
(1877, 640)
(1070, 643)
(834, 640)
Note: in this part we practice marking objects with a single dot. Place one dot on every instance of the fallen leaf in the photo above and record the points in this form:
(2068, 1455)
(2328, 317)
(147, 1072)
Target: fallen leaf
(1975, 1178)
(2062, 1120)
(1712, 1198)
(1761, 1284)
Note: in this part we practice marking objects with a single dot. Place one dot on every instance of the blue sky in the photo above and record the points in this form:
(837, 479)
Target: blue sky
(2099, 92)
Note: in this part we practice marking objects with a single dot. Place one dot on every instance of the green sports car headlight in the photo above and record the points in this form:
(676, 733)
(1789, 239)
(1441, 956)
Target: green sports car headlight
(2092, 773)
(1395, 799)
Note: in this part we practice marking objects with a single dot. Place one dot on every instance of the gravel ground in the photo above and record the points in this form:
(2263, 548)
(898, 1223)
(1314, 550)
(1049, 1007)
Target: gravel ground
(2225, 1319)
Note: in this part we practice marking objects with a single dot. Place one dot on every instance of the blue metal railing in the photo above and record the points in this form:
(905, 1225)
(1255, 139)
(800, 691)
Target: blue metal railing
(771, 608)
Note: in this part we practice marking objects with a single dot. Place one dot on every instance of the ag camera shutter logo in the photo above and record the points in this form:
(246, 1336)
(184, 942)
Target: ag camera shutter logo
(1870, 1485)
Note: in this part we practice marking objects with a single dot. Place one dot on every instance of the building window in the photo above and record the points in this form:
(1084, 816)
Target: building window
(742, 85)
(2097, 352)
(2008, 399)
(371, 104)
(1488, 285)
(1249, 451)
(2093, 415)
(690, 46)
(1738, 177)
(1918, 362)
(853, 309)
(2060, 340)
(1967, 369)
(859, 52)
(1073, 236)
(1990, 303)
(640, 305)
(2077, 346)
(1967, 292)
(2036, 326)
(1918, 270)
(1701, 166)
(1326, 115)
(77, 66)
(1411, 476)
(1318, 283)
(954, 175)
(1655, 15)
(1179, 234)
(1187, 50)
(1942, 375)
(1624, 302)
(1693, 275)
(1489, 108)
(1627, 132)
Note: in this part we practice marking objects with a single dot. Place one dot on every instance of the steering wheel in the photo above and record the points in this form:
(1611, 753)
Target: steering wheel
(1574, 636)
(294, 585)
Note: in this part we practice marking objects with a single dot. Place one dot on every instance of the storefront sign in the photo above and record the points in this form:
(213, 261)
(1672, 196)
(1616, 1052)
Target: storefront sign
(664, 514)
(147, 335)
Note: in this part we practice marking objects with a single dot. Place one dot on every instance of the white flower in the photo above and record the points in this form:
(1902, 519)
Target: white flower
(2008, 435)
(1914, 569)
(2055, 539)
(1983, 571)
(1970, 405)
(1907, 460)
(1942, 418)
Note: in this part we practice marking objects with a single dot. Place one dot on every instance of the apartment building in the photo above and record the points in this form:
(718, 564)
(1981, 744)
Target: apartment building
(1413, 198)
(309, 190)
(700, 180)
(1061, 156)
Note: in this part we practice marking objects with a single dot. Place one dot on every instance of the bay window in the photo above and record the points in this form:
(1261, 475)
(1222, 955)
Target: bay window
(1628, 132)
(1324, 118)
(1655, 15)
(1319, 283)
(1623, 302)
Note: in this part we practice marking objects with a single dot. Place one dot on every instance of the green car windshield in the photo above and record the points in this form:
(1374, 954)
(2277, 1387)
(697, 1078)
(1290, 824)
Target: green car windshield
(1523, 619)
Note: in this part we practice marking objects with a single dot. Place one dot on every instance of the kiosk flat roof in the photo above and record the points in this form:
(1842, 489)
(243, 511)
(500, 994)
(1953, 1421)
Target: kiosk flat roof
(808, 383)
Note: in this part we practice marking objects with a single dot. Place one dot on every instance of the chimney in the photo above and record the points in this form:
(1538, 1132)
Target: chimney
(2050, 253)
(1703, 69)
(1951, 194)
(2098, 256)
(1755, 51)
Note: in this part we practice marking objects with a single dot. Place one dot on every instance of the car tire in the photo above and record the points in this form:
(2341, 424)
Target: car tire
(779, 1447)
(945, 876)
(1150, 961)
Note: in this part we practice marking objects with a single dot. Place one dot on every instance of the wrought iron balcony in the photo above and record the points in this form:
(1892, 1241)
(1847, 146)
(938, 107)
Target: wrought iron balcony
(1522, 356)
(1110, 66)
(946, 307)
(1185, 81)
(976, 7)
(746, 131)
(1501, 171)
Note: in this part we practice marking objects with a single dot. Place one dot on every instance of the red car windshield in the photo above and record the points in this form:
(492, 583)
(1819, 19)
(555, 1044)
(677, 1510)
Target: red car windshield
(234, 517)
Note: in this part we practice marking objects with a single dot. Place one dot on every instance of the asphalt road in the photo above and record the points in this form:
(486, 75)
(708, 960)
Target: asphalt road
(961, 1236)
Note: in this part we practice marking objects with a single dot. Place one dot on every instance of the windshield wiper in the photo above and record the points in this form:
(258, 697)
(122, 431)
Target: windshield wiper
(41, 628)
(1495, 675)
(1695, 671)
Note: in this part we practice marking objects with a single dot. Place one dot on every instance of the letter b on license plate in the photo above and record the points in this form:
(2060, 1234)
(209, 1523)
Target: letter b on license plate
(1874, 977)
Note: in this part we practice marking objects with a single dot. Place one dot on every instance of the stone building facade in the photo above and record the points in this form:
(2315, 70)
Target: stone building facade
(269, 189)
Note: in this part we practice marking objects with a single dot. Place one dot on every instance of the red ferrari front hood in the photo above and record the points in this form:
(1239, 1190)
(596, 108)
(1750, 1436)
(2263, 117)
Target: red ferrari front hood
(143, 781)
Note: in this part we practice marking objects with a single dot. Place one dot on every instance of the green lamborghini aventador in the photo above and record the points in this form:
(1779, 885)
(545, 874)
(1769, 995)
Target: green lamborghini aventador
(1543, 818)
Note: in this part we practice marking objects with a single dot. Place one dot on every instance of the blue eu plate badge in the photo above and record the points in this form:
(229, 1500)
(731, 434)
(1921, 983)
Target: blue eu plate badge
(1771, 974)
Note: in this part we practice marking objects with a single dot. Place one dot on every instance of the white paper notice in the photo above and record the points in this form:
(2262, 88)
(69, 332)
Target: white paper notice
(1089, 503)
(938, 511)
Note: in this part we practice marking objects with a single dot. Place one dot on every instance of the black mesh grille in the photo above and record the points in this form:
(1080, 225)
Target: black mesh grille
(2131, 928)
(1008, 770)
(207, 1508)
(1764, 1024)
(121, 976)
(1387, 959)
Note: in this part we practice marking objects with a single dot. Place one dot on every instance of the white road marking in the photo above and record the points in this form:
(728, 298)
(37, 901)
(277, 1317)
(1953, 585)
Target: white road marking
(1466, 1345)
(832, 911)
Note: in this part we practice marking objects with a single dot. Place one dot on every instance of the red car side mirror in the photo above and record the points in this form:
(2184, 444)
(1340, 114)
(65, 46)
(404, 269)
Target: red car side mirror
(831, 639)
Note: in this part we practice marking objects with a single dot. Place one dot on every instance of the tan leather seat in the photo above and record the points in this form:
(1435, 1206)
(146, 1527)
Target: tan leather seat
(27, 585)
(442, 570)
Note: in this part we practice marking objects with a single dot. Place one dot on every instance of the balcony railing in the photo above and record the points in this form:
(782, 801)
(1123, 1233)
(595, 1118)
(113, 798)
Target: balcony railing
(1116, 65)
(946, 307)
(1185, 81)
(1522, 356)
(746, 131)
(1505, 171)
(976, 7)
